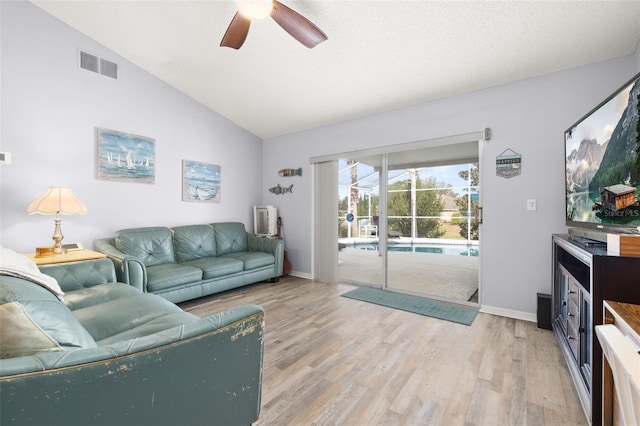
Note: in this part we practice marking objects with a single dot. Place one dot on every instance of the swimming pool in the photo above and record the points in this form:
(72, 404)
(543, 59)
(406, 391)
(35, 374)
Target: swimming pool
(460, 249)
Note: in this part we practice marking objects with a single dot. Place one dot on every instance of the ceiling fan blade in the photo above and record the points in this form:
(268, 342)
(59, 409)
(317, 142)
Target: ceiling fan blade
(237, 32)
(297, 25)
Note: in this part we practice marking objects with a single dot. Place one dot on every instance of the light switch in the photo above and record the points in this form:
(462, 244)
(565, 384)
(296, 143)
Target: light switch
(532, 205)
(5, 158)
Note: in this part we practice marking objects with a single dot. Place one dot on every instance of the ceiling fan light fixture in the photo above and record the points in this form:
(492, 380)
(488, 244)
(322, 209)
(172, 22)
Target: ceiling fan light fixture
(255, 9)
(291, 21)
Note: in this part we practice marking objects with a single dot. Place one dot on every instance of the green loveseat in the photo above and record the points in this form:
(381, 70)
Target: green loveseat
(109, 354)
(191, 261)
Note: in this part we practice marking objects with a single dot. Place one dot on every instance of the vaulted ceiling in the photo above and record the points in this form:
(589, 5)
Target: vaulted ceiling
(380, 55)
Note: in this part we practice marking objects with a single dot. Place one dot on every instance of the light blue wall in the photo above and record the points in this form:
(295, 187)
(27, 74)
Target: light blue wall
(528, 117)
(50, 110)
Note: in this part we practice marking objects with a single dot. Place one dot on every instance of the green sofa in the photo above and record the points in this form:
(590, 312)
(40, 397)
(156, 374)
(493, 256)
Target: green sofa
(191, 261)
(109, 354)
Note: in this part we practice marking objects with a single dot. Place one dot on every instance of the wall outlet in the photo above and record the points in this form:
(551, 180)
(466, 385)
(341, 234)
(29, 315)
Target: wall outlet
(532, 204)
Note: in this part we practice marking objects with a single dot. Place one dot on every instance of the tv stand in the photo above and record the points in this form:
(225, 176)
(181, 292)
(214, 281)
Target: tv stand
(583, 278)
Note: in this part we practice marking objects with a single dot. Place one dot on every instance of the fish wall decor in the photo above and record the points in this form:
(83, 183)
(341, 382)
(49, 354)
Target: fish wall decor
(281, 189)
(290, 172)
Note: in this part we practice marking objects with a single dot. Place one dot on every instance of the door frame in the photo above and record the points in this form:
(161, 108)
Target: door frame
(322, 245)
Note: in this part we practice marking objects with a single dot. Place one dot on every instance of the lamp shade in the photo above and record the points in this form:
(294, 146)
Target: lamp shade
(57, 200)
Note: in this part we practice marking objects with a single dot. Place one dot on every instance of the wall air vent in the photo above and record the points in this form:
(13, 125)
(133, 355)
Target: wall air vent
(108, 68)
(98, 65)
(89, 62)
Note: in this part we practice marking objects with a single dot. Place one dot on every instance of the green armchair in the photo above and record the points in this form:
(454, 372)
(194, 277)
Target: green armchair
(110, 354)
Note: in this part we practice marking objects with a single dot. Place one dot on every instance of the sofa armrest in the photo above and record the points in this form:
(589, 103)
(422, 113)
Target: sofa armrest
(268, 245)
(273, 246)
(208, 370)
(129, 269)
(76, 275)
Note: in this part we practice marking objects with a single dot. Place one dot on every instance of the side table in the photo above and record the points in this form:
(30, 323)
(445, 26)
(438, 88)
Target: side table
(69, 256)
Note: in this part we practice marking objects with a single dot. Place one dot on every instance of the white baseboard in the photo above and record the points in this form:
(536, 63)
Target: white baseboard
(509, 313)
(301, 275)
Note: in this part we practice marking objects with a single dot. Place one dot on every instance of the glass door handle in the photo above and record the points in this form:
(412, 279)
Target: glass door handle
(478, 215)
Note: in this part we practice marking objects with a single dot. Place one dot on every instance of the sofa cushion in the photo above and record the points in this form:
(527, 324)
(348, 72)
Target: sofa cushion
(152, 325)
(152, 245)
(230, 237)
(193, 242)
(34, 320)
(252, 259)
(115, 312)
(95, 295)
(214, 267)
(160, 277)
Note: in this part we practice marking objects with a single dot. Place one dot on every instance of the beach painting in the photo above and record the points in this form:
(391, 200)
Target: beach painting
(125, 157)
(200, 182)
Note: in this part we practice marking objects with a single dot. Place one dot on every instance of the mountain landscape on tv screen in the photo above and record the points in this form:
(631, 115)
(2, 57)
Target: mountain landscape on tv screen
(620, 163)
(600, 173)
(583, 163)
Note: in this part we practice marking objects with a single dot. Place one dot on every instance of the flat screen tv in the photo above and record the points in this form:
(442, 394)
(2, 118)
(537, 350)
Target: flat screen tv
(602, 175)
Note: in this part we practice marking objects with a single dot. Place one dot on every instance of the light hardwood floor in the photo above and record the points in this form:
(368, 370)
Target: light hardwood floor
(330, 360)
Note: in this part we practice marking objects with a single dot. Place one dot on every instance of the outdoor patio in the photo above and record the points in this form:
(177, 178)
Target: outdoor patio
(442, 276)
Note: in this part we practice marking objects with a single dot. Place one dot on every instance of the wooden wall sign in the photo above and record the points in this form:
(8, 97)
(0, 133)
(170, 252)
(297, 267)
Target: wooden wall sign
(508, 164)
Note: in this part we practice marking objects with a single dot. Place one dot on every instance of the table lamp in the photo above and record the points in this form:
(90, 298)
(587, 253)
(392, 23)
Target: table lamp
(57, 200)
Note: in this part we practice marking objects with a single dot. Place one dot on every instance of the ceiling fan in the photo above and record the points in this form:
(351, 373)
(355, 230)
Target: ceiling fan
(291, 21)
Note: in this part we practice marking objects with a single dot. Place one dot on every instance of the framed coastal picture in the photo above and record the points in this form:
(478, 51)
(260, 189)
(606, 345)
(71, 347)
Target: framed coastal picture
(200, 182)
(125, 157)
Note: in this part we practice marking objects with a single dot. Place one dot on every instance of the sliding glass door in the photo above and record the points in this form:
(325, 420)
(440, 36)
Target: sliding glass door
(359, 257)
(407, 219)
(432, 244)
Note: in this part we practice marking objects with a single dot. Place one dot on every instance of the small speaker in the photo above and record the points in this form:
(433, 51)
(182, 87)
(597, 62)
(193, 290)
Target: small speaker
(544, 311)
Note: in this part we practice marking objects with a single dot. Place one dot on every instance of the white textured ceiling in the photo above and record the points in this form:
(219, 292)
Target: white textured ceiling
(380, 55)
